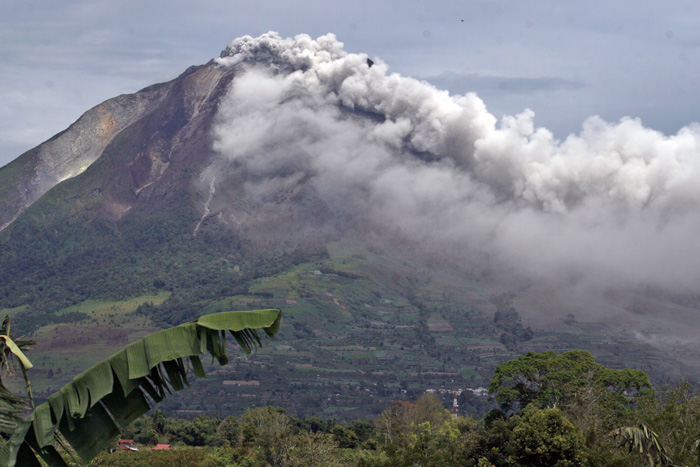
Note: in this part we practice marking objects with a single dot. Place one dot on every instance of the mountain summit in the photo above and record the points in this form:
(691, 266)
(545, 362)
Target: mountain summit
(381, 210)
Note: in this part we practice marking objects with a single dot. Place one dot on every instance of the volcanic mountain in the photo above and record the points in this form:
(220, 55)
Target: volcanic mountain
(411, 239)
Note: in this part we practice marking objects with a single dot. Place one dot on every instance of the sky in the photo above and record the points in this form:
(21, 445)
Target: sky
(564, 60)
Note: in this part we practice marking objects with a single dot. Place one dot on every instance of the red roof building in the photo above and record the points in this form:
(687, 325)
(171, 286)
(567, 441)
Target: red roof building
(127, 444)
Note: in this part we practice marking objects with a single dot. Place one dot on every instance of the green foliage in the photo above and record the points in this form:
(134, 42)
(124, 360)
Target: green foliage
(62, 251)
(546, 437)
(198, 432)
(91, 411)
(345, 437)
(644, 441)
(675, 417)
(589, 398)
(315, 450)
(548, 379)
(269, 429)
(183, 457)
(423, 433)
(229, 430)
(12, 359)
(494, 443)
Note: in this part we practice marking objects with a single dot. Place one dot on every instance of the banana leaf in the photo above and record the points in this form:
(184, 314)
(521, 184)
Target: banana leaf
(12, 406)
(90, 411)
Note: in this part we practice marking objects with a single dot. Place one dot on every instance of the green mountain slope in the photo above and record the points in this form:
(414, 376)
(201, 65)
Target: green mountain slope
(139, 239)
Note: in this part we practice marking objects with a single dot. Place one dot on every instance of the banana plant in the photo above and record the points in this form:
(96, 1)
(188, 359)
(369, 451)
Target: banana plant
(12, 358)
(645, 441)
(87, 414)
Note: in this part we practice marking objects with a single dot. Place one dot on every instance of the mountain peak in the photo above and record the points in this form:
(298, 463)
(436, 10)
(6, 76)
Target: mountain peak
(295, 53)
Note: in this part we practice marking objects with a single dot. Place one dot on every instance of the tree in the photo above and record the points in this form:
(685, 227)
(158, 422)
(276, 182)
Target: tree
(345, 437)
(547, 379)
(546, 437)
(675, 416)
(89, 412)
(229, 430)
(424, 433)
(315, 450)
(198, 432)
(270, 429)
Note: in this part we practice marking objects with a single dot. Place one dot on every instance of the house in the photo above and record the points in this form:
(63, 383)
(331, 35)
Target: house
(161, 447)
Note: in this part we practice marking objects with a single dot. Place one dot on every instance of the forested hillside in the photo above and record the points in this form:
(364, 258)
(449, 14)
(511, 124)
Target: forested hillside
(553, 410)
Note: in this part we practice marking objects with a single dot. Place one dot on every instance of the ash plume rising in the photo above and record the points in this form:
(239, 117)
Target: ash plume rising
(617, 202)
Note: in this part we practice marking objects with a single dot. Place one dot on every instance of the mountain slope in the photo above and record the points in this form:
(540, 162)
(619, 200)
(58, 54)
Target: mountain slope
(410, 241)
(68, 153)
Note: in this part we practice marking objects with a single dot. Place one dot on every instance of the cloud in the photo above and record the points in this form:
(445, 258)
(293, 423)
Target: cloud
(466, 82)
(616, 202)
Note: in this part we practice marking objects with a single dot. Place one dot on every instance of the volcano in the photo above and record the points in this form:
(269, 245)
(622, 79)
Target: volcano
(411, 240)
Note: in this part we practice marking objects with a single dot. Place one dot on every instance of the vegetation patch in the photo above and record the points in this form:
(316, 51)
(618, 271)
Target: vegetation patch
(359, 355)
(326, 370)
(12, 311)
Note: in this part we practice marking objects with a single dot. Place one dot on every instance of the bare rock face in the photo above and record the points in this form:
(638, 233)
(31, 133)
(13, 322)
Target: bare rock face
(157, 159)
(165, 121)
(70, 152)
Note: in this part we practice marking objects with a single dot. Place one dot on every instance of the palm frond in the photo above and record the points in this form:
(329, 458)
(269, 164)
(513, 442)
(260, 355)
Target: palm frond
(12, 355)
(99, 403)
(646, 442)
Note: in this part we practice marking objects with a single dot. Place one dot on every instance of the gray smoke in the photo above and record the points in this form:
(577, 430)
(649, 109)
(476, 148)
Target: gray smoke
(614, 202)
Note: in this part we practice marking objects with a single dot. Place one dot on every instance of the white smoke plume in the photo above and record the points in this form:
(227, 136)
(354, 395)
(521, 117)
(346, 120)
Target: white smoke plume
(617, 201)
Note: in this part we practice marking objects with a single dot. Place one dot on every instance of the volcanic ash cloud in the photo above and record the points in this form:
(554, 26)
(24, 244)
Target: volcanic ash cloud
(616, 201)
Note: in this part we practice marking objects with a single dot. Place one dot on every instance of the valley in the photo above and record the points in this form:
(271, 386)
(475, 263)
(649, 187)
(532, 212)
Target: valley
(359, 331)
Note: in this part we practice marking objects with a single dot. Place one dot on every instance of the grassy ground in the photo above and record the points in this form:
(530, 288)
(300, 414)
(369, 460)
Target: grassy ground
(64, 350)
(12, 311)
(102, 310)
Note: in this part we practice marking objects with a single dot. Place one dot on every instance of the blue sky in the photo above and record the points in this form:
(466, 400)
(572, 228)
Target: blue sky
(565, 60)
